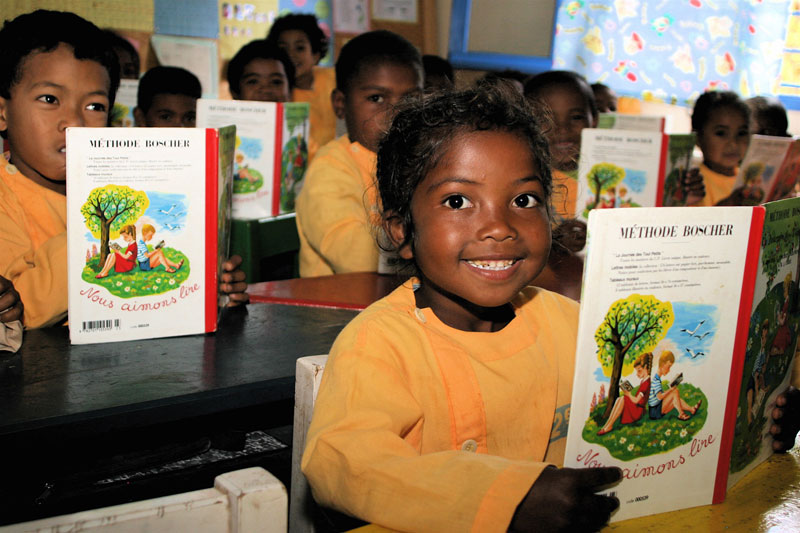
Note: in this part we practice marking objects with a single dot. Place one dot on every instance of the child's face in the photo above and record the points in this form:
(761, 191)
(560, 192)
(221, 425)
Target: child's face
(641, 373)
(664, 368)
(297, 45)
(482, 230)
(571, 114)
(147, 235)
(168, 111)
(605, 99)
(264, 80)
(367, 108)
(55, 91)
(724, 140)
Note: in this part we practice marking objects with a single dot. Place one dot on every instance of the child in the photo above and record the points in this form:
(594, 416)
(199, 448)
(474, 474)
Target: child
(167, 98)
(438, 73)
(336, 207)
(436, 408)
(631, 406)
(150, 259)
(571, 102)
(605, 98)
(262, 72)
(662, 402)
(125, 260)
(768, 117)
(515, 78)
(720, 119)
(56, 70)
(127, 56)
(305, 42)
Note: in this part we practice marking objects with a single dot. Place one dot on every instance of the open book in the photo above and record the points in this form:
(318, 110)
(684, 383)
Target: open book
(128, 188)
(770, 168)
(626, 168)
(696, 308)
(622, 121)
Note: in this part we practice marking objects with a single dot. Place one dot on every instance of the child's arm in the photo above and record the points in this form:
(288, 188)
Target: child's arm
(785, 420)
(11, 307)
(232, 281)
(565, 500)
(694, 187)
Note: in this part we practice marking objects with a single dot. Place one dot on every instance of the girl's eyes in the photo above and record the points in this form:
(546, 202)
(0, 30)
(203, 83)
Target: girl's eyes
(48, 99)
(457, 201)
(96, 106)
(376, 98)
(527, 200)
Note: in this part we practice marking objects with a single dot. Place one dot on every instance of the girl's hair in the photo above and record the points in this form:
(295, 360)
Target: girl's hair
(645, 360)
(423, 129)
(710, 101)
(130, 229)
(258, 49)
(305, 23)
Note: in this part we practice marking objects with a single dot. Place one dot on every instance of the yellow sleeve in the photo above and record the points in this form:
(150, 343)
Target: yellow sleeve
(361, 458)
(40, 276)
(333, 216)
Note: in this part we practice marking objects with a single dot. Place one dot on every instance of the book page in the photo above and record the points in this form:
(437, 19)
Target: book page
(620, 121)
(124, 104)
(787, 179)
(660, 299)
(772, 336)
(136, 188)
(760, 165)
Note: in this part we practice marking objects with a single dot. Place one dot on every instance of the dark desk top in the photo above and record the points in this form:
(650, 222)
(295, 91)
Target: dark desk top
(249, 361)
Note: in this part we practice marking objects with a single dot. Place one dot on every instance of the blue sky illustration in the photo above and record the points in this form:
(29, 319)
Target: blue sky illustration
(167, 211)
(251, 147)
(687, 317)
(635, 180)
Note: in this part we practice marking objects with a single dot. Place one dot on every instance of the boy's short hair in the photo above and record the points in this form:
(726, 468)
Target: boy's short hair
(258, 49)
(304, 22)
(148, 228)
(710, 101)
(371, 48)
(437, 66)
(166, 80)
(666, 357)
(119, 42)
(43, 31)
(545, 80)
(770, 115)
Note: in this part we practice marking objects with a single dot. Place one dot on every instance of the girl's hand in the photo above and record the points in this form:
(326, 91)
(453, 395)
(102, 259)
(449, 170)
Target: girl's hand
(785, 420)
(232, 281)
(693, 186)
(11, 307)
(564, 499)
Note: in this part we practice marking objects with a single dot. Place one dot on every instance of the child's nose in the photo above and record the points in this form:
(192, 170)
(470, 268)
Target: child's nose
(497, 224)
(71, 116)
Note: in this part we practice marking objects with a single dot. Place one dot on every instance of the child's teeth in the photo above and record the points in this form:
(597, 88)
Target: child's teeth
(492, 265)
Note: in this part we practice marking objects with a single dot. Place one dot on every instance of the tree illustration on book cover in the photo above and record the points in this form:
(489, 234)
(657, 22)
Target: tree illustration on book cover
(610, 184)
(247, 179)
(117, 212)
(294, 156)
(640, 339)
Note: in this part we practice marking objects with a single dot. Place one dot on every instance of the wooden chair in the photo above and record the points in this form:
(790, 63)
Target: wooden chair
(308, 376)
(269, 247)
(245, 501)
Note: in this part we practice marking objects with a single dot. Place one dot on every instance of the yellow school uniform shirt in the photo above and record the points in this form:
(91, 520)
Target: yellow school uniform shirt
(565, 193)
(321, 118)
(337, 210)
(422, 427)
(33, 240)
(718, 186)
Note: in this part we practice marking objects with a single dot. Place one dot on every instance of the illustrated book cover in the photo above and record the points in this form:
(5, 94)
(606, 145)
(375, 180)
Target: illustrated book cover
(271, 152)
(626, 168)
(666, 307)
(124, 104)
(759, 169)
(621, 121)
(148, 214)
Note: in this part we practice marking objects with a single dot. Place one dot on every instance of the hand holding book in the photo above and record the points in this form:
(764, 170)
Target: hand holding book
(232, 281)
(785, 420)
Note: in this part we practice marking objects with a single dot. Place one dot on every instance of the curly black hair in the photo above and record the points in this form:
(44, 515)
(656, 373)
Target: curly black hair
(372, 48)
(710, 101)
(423, 129)
(258, 49)
(166, 80)
(536, 84)
(307, 24)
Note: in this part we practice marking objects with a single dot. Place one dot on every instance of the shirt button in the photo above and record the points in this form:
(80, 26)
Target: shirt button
(469, 446)
(420, 315)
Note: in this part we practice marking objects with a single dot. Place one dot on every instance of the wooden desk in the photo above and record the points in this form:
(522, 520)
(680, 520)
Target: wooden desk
(357, 290)
(62, 404)
(767, 499)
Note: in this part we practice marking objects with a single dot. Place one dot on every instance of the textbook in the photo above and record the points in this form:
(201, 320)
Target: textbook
(770, 168)
(271, 152)
(148, 225)
(697, 309)
(124, 104)
(620, 121)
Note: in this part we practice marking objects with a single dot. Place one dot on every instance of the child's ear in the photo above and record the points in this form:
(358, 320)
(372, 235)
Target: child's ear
(138, 118)
(337, 100)
(3, 108)
(395, 231)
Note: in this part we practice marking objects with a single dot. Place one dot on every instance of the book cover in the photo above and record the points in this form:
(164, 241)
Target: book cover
(772, 336)
(124, 104)
(625, 168)
(787, 179)
(621, 121)
(271, 152)
(136, 187)
(764, 157)
(666, 301)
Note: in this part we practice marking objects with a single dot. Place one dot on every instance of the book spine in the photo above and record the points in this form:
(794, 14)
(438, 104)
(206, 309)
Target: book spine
(739, 352)
(662, 170)
(212, 246)
(278, 161)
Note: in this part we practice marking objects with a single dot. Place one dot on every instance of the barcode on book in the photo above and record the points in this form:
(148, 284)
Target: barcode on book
(100, 325)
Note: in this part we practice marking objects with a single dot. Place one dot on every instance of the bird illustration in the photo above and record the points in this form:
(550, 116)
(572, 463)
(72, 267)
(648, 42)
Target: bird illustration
(171, 227)
(701, 337)
(694, 354)
(693, 331)
(176, 215)
(168, 211)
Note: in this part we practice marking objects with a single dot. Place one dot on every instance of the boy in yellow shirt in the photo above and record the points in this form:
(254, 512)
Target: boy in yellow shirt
(337, 207)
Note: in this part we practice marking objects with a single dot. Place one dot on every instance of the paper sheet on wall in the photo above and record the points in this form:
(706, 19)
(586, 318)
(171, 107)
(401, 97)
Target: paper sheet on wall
(240, 23)
(198, 56)
(120, 14)
(190, 18)
(395, 10)
(350, 16)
